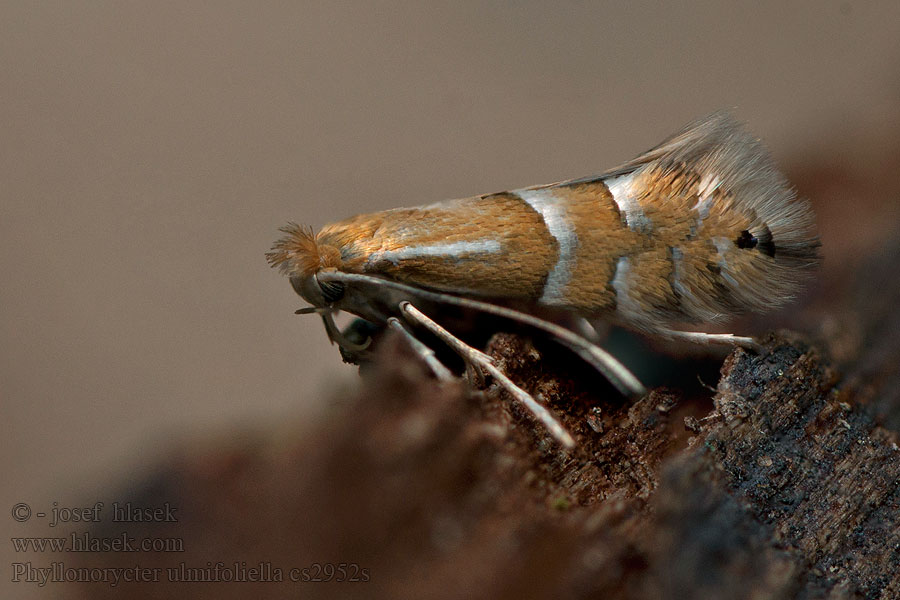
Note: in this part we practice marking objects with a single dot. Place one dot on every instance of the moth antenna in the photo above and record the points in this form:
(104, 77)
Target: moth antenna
(711, 339)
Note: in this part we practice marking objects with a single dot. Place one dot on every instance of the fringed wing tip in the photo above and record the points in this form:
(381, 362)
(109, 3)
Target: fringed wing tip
(718, 149)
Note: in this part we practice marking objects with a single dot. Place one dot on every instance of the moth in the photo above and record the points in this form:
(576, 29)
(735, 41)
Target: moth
(698, 229)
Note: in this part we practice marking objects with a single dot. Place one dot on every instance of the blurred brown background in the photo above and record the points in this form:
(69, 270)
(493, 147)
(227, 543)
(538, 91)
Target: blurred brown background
(151, 150)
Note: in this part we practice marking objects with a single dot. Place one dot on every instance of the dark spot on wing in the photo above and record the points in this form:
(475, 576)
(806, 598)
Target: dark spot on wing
(746, 240)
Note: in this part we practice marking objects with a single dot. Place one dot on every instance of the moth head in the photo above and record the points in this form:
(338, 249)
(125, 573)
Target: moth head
(301, 256)
(321, 294)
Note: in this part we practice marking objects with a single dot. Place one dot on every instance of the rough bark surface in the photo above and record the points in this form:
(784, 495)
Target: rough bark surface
(783, 483)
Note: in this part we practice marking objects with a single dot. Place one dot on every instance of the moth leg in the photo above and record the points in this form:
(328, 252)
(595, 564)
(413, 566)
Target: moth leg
(359, 333)
(617, 373)
(441, 372)
(480, 360)
(698, 337)
(589, 330)
(474, 373)
(475, 360)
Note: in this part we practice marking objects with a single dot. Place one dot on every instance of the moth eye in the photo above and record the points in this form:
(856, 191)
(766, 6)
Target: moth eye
(746, 240)
(332, 291)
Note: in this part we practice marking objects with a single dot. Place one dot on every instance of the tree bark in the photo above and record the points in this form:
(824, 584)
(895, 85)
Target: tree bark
(785, 484)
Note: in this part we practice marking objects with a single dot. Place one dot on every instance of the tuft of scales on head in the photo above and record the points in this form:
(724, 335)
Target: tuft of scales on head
(302, 252)
(297, 252)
